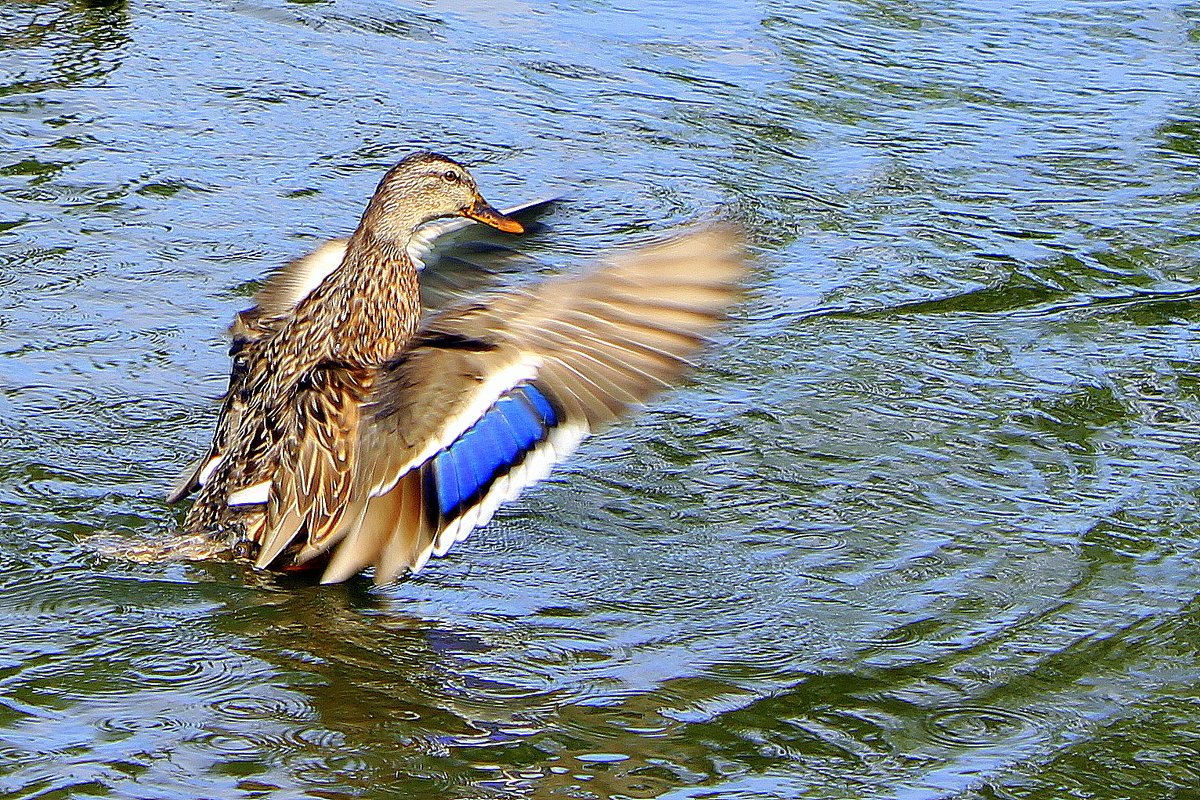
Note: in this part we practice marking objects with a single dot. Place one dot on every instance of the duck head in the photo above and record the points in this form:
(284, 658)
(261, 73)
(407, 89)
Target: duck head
(425, 186)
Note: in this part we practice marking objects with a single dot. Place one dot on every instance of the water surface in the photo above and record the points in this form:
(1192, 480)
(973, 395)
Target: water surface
(924, 525)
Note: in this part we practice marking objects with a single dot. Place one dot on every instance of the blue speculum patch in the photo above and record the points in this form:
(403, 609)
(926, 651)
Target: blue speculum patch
(490, 448)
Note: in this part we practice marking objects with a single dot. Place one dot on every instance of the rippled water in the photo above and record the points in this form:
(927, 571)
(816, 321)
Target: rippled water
(924, 526)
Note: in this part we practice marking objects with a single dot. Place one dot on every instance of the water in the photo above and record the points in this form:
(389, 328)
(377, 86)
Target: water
(923, 526)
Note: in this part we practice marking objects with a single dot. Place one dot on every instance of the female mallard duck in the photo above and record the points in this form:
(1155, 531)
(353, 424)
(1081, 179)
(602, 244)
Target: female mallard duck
(354, 434)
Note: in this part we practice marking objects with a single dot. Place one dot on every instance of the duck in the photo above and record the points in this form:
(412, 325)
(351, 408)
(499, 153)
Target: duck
(361, 431)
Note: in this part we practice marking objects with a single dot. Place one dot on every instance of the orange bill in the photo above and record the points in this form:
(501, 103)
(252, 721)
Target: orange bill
(480, 211)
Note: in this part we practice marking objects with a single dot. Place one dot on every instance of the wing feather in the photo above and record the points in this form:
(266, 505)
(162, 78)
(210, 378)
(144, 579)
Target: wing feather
(314, 482)
(494, 392)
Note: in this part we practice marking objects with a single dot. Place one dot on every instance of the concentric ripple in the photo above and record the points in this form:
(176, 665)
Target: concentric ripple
(981, 726)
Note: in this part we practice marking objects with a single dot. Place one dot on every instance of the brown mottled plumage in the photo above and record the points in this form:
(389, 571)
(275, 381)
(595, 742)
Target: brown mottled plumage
(354, 434)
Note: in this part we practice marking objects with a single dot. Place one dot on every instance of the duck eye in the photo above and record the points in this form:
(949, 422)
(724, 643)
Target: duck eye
(450, 176)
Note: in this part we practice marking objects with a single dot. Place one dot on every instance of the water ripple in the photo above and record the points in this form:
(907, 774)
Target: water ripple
(981, 726)
(944, 450)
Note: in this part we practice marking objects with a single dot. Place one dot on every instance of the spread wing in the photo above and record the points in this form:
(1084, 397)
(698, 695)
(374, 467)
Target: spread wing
(490, 395)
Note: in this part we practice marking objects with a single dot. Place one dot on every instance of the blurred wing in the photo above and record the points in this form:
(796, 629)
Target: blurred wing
(284, 287)
(491, 395)
(458, 257)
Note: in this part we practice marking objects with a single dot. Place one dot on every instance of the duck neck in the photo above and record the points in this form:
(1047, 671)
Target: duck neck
(366, 309)
(382, 299)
